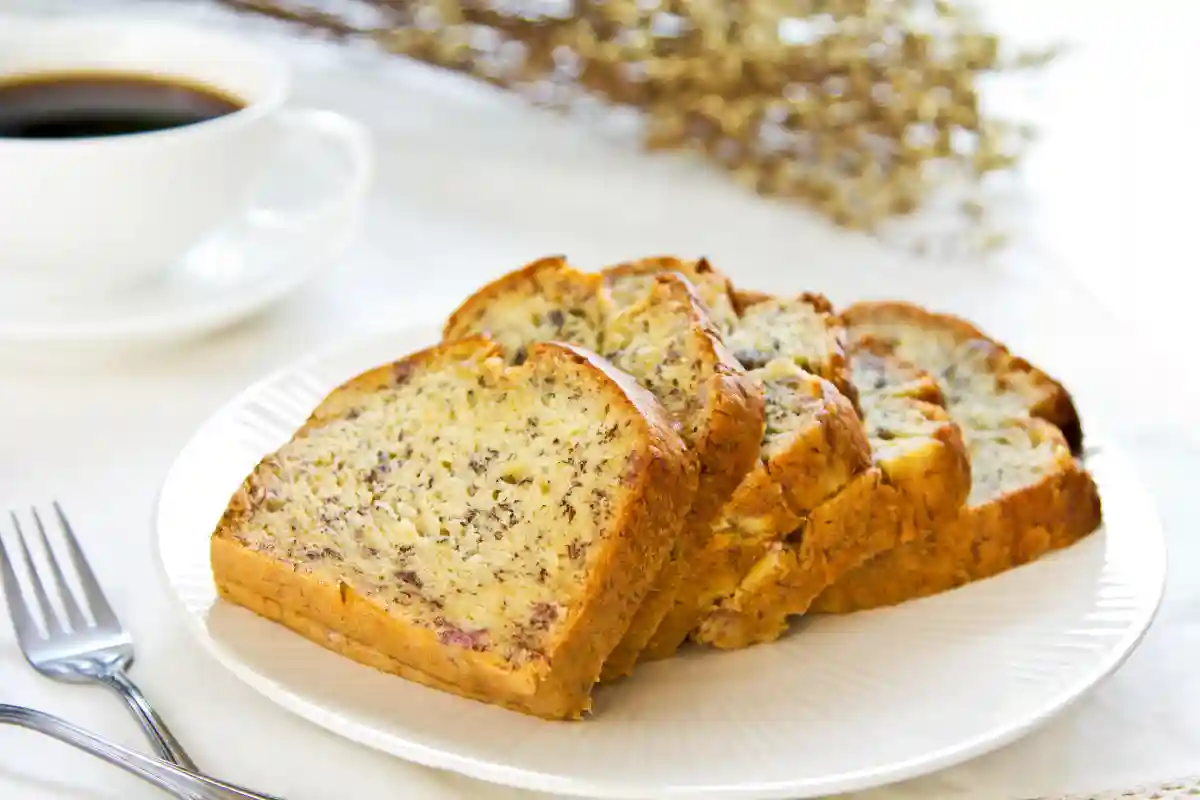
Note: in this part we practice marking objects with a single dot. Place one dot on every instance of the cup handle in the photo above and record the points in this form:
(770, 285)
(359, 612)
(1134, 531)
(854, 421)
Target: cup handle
(337, 211)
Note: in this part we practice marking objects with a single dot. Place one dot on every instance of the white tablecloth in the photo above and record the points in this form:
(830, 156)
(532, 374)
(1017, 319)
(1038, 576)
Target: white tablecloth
(1095, 289)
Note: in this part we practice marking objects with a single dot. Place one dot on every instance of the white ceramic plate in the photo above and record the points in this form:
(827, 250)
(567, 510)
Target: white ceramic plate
(841, 704)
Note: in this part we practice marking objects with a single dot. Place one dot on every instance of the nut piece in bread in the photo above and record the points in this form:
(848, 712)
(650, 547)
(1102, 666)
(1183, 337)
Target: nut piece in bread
(658, 331)
(482, 528)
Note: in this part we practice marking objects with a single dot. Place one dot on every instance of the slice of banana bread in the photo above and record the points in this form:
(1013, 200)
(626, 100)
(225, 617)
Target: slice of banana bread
(481, 528)
(1029, 496)
(920, 476)
(980, 378)
(658, 331)
(812, 447)
(1029, 493)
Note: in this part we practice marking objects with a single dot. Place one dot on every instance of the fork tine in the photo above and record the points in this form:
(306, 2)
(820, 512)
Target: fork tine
(70, 603)
(44, 609)
(23, 622)
(97, 603)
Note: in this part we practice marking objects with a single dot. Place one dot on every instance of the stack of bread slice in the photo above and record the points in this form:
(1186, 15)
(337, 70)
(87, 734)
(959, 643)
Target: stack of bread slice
(919, 477)
(812, 446)
(660, 333)
(592, 468)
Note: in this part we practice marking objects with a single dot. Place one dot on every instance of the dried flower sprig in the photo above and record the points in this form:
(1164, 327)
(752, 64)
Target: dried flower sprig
(845, 104)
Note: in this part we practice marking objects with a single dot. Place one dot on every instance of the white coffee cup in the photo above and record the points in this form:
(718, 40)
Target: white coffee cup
(81, 215)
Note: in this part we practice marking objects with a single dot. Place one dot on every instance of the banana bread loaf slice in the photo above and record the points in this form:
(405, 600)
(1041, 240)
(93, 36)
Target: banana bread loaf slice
(980, 378)
(920, 476)
(1029, 493)
(658, 331)
(813, 445)
(482, 528)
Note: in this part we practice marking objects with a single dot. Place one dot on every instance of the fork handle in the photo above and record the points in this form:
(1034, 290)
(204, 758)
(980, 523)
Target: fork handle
(170, 778)
(164, 742)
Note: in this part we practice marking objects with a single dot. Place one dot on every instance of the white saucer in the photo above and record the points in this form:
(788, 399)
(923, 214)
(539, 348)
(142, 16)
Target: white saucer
(228, 277)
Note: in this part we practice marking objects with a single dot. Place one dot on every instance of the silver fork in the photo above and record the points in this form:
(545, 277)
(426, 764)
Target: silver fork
(169, 777)
(99, 651)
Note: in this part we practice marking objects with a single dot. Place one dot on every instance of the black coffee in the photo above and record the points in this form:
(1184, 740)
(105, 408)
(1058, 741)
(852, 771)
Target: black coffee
(89, 104)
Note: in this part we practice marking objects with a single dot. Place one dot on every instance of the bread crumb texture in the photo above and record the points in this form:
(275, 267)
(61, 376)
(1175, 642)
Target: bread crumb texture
(462, 495)
(648, 320)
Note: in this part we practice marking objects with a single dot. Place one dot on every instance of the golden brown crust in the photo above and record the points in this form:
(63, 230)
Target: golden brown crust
(831, 541)
(697, 528)
(981, 541)
(919, 478)
(994, 533)
(657, 529)
(871, 516)
(725, 441)
(551, 276)
(726, 449)
(1054, 405)
(662, 484)
(769, 503)
(772, 499)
